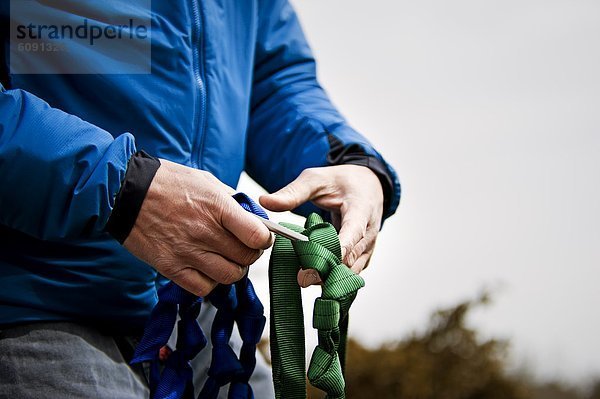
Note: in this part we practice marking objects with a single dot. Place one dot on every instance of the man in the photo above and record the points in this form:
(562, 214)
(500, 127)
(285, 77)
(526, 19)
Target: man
(232, 87)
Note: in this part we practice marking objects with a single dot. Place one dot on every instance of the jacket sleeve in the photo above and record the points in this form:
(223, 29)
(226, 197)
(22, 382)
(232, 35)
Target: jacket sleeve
(293, 125)
(58, 174)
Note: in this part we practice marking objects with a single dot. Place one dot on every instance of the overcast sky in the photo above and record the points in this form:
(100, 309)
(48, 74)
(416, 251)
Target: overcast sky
(489, 111)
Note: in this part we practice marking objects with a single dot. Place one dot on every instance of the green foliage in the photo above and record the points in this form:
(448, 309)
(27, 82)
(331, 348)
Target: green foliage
(447, 361)
(555, 390)
(595, 391)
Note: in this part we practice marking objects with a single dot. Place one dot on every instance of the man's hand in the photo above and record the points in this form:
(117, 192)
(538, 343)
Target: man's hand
(354, 196)
(193, 232)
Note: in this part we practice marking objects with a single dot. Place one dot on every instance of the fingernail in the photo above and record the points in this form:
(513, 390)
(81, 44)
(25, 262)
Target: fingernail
(309, 277)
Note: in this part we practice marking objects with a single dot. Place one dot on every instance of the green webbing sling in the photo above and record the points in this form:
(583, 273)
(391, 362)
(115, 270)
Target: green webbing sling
(330, 317)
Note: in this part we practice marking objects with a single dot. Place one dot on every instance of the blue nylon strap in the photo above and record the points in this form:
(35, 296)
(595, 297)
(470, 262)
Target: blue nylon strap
(236, 304)
(248, 204)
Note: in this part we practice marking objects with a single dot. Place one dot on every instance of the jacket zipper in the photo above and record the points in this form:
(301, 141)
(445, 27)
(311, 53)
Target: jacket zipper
(199, 114)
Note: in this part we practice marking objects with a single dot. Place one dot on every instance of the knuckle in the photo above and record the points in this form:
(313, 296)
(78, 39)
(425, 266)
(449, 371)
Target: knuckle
(204, 290)
(231, 274)
(351, 258)
(347, 247)
(249, 256)
(360, 248)
(372, 232)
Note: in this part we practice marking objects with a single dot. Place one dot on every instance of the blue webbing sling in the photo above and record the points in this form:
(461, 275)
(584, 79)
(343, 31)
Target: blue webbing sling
(236, 304)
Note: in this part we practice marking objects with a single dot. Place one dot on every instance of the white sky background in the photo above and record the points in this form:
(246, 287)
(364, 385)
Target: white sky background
(490, 112)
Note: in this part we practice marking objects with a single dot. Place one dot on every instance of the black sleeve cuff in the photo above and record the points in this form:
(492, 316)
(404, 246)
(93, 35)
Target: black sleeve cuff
(128, 202)
(354, 154)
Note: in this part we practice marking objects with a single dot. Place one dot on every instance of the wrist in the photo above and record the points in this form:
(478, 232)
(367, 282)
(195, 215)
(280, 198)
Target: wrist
(141, 170)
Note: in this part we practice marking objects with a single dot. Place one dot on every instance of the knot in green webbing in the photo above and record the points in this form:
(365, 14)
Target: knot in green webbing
(330, 316)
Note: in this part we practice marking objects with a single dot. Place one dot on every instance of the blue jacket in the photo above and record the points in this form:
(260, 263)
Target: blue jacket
(233, 87)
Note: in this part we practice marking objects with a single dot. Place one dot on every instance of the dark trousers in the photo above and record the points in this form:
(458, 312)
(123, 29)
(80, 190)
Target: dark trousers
(68, 360)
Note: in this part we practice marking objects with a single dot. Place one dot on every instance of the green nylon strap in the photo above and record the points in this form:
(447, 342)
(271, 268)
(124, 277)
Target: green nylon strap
(330, 317)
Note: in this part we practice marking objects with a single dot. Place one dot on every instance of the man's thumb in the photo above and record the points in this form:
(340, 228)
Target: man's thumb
(291, 196)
